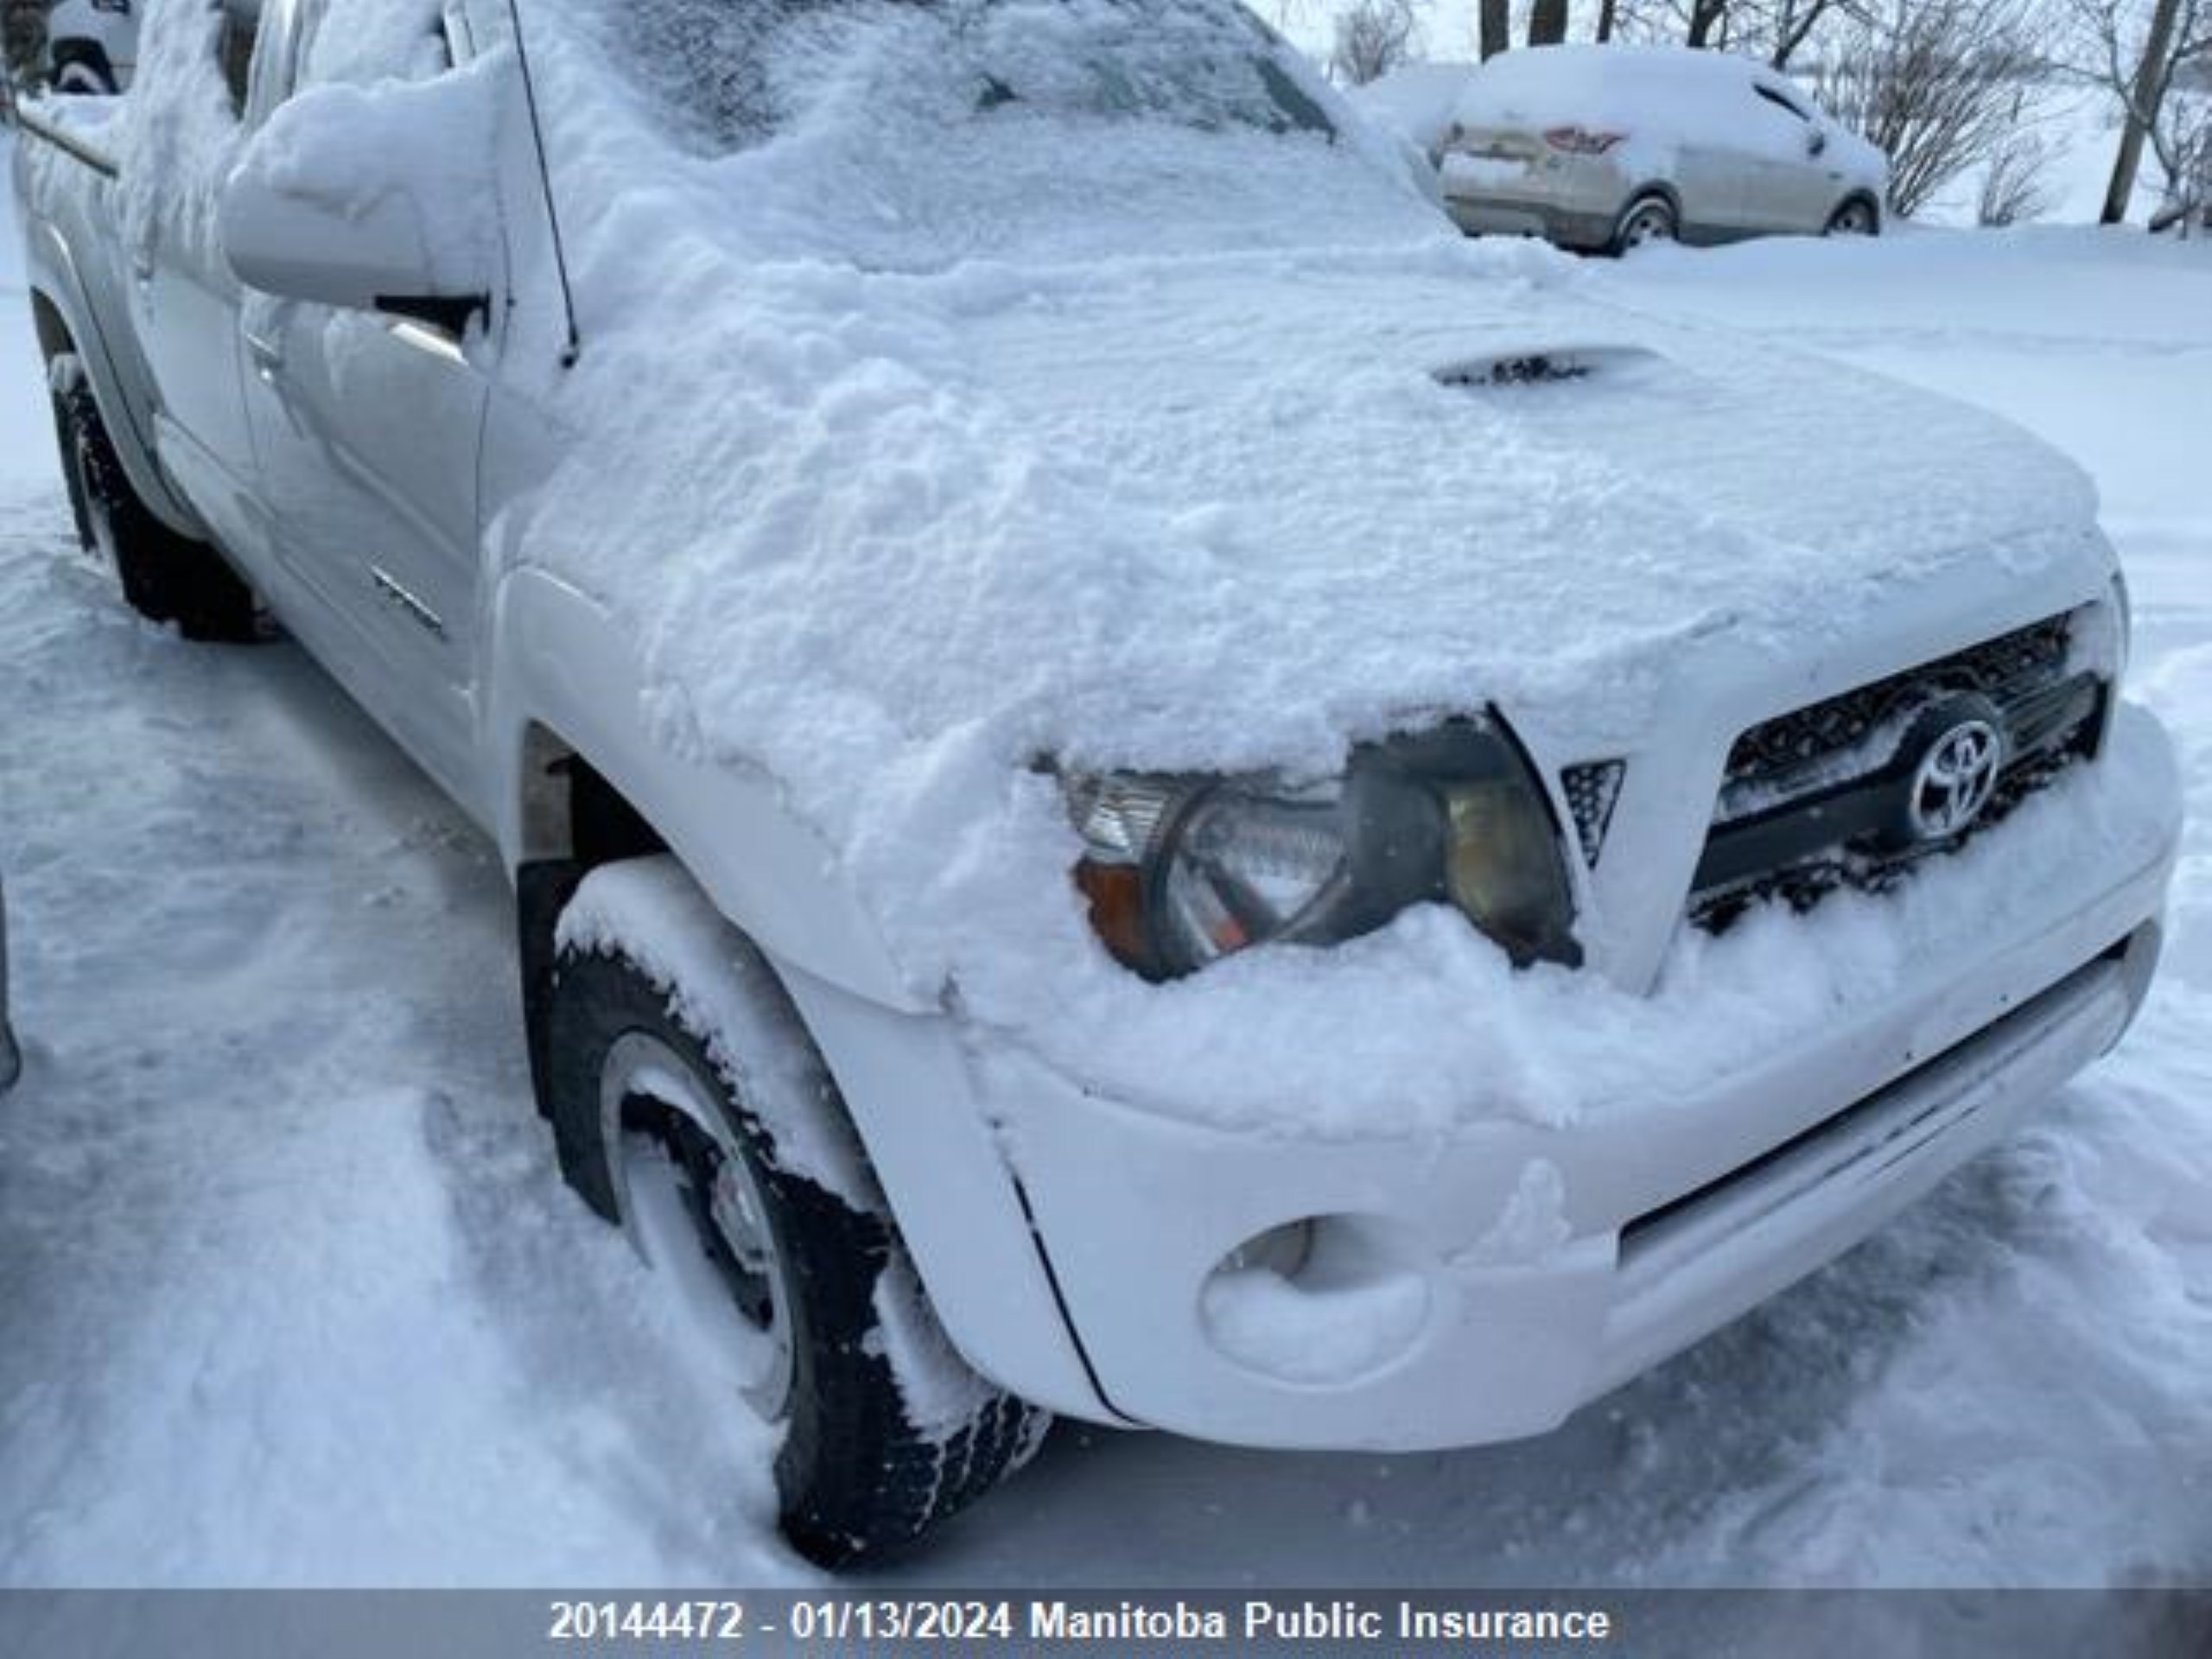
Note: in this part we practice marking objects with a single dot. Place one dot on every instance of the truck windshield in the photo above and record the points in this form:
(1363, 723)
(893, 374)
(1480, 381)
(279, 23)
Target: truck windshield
(915, 134)
(739, 72)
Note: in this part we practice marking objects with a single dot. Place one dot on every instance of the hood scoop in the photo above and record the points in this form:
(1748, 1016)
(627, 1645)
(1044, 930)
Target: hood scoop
(1550, 365)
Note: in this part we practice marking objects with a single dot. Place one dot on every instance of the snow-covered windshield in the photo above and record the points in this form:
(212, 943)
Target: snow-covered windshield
(737, 71)
(911, 134)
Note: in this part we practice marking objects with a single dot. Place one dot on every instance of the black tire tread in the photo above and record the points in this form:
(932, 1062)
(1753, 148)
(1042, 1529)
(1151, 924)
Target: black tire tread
(166, 577)
(855, 1480)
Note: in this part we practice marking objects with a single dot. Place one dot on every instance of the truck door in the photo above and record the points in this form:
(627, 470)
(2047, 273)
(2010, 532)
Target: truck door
(368, 429)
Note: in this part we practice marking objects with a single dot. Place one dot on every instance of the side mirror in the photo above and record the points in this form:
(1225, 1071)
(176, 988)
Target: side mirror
(375, 199)
(1816, 141)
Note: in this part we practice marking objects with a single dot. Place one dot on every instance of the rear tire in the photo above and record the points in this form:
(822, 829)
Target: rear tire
(1855, 218)
(1647, 220)
(808, 1272)
(166, 577)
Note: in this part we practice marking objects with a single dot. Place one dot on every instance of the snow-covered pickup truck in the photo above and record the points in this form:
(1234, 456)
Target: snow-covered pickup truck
(1141, 786)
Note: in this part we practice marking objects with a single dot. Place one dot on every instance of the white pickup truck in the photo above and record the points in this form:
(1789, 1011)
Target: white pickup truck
(1141, 786)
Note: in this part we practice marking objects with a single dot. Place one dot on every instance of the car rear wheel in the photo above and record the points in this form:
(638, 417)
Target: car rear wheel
(1649, 219)
(806, 1296)
(166, 577)
(1855, 218)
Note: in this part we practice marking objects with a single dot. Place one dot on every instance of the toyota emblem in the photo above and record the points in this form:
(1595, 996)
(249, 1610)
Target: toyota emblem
(1954, 780)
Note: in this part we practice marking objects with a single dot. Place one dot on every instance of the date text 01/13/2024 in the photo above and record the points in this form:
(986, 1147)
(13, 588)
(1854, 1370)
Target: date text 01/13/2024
(867, 1620)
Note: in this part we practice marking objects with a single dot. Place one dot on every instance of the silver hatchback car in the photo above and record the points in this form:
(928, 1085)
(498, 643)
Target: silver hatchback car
(1611, 147)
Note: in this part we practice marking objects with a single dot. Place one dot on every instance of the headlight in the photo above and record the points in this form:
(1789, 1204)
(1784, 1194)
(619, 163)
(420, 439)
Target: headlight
(1182, 871)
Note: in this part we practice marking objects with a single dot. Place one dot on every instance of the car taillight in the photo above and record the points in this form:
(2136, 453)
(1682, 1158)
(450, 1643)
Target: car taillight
(1581, 141)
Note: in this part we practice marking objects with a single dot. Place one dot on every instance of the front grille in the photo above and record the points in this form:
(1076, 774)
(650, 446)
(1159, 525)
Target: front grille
(1816, 799)
(1770, 755)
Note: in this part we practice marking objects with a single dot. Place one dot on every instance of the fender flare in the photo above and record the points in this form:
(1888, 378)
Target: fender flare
(565, 669)
(125, 396)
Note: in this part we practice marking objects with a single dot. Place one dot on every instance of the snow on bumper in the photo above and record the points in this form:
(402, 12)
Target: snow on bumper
(1483, 1285)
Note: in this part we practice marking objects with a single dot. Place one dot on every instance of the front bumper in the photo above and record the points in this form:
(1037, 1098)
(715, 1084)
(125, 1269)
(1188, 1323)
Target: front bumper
(1672, 1217)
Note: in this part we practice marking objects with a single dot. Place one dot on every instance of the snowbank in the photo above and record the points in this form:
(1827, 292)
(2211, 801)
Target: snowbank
(1416, 99)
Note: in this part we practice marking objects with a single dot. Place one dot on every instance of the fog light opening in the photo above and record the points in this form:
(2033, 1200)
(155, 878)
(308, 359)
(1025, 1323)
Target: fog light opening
(1321, 1302)
(1284, 1251)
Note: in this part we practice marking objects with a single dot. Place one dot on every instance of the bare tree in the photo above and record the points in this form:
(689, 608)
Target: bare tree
(1787, 25)
(1934, 83)
(1373, 38)
(1547, 23)
(2013, 186)
(1495, 25)
(2139, 65)
(1609, 12)
(1644, 21)
(2189, 178)
(1774, 29)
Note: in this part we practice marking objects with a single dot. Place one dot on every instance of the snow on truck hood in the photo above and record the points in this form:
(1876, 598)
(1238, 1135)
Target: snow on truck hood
(1115, 496)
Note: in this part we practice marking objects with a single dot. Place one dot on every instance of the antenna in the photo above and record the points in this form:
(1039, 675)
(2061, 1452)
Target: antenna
(575, 346)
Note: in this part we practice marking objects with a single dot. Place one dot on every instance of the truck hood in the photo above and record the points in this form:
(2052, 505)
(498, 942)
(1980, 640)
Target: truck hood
(1472, 482)
(904, 543)
(1211, 514)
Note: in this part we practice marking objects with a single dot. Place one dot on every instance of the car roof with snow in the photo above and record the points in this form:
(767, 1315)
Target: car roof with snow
(1671, 83)
(1661, 98)
(1674, 86)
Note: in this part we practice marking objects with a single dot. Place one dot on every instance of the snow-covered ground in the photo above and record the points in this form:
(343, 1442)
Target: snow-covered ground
(289, 1291)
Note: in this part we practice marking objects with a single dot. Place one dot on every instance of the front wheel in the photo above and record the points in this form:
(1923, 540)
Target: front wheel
(689, 1106)
(1649, 219)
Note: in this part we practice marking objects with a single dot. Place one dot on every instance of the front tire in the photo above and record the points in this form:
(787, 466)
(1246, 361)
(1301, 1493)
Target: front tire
(808, 1294)
(166, 577)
